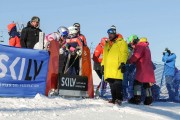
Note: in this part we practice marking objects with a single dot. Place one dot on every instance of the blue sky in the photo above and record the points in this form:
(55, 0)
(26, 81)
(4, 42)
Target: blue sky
(158, 20)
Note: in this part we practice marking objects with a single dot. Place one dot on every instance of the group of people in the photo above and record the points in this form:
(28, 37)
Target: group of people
(115, 58)
(70, 41)
(113, 53)
(111, 57)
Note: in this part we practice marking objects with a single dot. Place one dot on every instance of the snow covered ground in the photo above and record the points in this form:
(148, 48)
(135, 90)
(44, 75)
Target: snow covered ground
(41, 107)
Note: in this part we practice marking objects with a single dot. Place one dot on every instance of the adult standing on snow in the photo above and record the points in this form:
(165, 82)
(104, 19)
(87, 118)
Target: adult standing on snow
(144, 70)
(98, 55)
(115, 55)
(14, 39)
(30, 34)
(97, 58)
(79, 35)
(169, 71)
(117, 34)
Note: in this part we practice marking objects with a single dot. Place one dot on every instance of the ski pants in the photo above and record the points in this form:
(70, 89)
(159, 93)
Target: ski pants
(170, 87)
(138, 88)
(116, 89)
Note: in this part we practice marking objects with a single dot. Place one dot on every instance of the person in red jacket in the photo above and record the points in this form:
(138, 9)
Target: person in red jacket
(79, 35)
(14, 39)
(144, 71)
(97, 58)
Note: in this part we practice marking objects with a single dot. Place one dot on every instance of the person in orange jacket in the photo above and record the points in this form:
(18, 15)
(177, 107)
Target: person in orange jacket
(79, 35)
(14, 39)
(97, 58)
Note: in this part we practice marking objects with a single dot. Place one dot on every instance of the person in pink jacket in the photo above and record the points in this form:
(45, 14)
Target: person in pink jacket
(144, 70)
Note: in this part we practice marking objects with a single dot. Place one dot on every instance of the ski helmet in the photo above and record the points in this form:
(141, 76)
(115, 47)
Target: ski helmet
(72, 31)
(103, 41)
(63, 31)
(132, 38)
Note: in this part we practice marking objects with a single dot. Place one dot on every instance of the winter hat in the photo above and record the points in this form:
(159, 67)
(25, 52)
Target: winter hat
(10, 26)
(35, 19)
(143, 39)
(113, 27)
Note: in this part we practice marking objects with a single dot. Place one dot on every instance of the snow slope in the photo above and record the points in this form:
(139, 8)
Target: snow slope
(41, 107)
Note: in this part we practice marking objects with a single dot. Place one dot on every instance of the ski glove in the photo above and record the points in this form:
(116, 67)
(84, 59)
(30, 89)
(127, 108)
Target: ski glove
(122, 67)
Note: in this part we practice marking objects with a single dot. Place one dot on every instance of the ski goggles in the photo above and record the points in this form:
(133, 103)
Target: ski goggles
(64, 34)
(111, 31)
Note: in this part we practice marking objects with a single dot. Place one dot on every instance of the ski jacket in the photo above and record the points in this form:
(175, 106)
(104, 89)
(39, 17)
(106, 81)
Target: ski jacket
(83, 39)
(29, 36)
(14, 39)
(142, 59)
(74, 42)
(98, 53)
(114, 54)
(52, 36)
(169, 64)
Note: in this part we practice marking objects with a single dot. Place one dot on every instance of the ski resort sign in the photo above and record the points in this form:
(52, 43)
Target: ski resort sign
(22, 71)
(73, 85)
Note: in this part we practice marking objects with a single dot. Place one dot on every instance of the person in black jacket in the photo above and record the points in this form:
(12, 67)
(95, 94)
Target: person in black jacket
(30, 34)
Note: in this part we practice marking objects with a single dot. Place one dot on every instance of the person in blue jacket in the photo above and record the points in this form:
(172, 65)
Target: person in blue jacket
(169, 60)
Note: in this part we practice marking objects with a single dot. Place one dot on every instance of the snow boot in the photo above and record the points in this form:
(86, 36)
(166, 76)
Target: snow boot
(118, 102)
(111, 101)
(148, 100)
(135, 100)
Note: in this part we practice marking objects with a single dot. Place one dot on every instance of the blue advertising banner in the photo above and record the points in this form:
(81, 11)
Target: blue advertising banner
(23, 71)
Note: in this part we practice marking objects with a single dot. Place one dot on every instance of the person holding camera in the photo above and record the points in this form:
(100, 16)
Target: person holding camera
(169, 71)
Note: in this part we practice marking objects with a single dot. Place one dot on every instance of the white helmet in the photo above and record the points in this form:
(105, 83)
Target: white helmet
(72, 30)
(63, 31)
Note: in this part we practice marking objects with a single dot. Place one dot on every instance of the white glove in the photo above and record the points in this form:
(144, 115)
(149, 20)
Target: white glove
(79, 52)
(61, 51)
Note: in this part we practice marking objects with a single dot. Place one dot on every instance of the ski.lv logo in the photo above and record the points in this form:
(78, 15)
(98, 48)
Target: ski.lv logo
(17, 68)
(68, 82)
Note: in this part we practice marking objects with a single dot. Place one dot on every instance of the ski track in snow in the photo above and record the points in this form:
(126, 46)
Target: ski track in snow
(43, 108)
